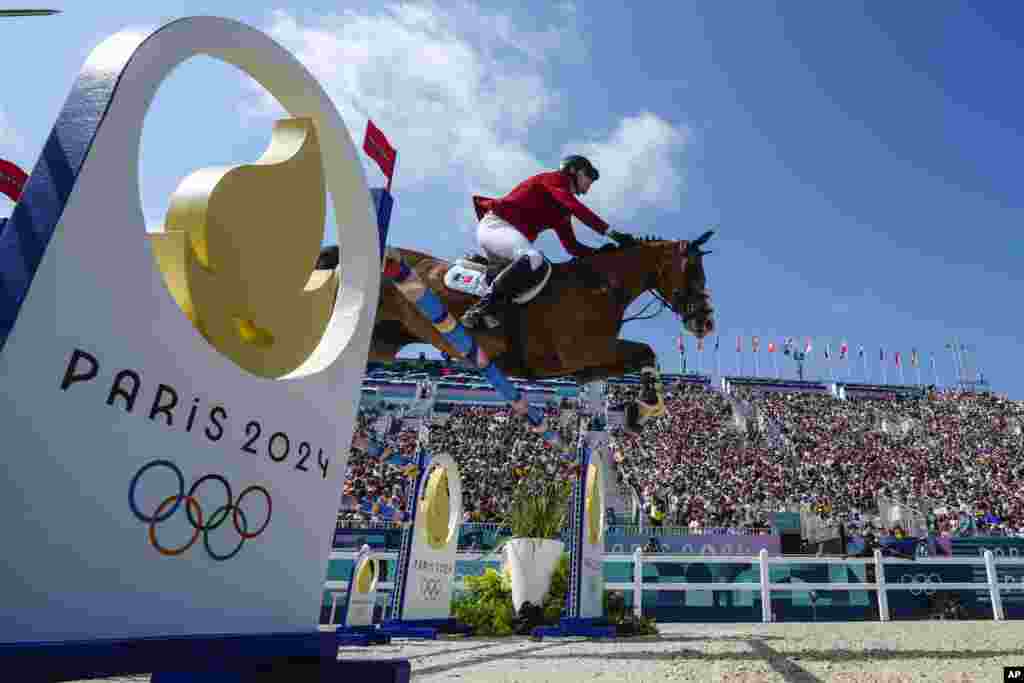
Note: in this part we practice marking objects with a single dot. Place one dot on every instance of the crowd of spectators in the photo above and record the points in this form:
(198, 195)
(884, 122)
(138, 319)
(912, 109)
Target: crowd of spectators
(718, 461)
(492, 447)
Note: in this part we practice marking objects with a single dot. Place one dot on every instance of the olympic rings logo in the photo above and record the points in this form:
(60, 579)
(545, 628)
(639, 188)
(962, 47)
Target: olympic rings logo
(430, 588)
(194, 512)
(922, 580)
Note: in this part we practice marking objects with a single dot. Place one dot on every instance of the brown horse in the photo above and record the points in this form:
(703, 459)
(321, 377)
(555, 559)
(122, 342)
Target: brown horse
(571, 328)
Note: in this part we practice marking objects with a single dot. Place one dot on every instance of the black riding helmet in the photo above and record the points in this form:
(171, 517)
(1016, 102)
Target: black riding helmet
(575, 162)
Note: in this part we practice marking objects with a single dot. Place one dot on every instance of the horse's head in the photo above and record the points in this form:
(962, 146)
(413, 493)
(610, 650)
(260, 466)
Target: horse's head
(679, 279)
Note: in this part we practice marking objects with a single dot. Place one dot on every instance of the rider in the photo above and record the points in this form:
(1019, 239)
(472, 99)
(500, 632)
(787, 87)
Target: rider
(509, 226)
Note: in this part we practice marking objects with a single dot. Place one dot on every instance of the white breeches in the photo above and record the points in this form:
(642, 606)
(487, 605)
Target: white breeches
(501, 240)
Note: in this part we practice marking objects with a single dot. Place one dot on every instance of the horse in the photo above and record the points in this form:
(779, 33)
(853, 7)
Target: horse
(570, 329)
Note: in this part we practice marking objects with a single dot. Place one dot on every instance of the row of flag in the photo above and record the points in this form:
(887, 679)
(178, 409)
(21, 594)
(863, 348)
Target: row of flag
(789, 348)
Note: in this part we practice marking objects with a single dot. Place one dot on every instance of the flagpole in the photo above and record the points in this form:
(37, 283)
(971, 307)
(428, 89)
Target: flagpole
(757, 365)
(960, 359)
(775, 362)
(885, 371)
(935, 370)
(864, 361)
(956, 368)
(718, 359)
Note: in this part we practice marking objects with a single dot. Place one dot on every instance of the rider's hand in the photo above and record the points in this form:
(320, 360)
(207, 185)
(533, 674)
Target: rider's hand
(623, 239)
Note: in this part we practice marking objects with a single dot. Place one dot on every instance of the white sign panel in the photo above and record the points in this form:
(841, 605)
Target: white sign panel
(152, 485)
(431, 564)
(591, 547)
(362, 590)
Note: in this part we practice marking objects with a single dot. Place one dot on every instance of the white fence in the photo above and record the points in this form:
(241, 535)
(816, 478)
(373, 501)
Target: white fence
(764, 562)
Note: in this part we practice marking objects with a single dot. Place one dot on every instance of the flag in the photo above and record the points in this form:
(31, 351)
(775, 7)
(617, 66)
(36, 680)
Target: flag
(380, 150)
(881, 354)
(897, 359)
(828, 351)
(788, 346)
(718, 339)
(12, 179)
(739, 344)
(681, 344)
(755, 343)
(913, 357)
(807, 349)
(860, 352)
(771, 347)
(700, 345)
(843, 349)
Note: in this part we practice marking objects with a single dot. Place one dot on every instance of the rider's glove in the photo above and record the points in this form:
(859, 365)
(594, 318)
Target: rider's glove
(623, 239)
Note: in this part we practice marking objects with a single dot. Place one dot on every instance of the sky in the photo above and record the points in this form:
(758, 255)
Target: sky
(860, 161)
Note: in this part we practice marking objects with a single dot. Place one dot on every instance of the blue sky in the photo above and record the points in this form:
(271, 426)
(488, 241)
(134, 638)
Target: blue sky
(861, 160)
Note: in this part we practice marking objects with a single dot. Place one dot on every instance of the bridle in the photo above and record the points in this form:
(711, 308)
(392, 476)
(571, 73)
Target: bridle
(678, 297)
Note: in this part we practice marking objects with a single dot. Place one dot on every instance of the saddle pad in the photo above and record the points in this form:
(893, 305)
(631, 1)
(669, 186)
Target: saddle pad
(465, 279)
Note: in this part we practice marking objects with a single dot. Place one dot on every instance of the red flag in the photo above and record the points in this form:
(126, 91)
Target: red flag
(843, 349)
(12, 179)
(771, 347)
(376, 145)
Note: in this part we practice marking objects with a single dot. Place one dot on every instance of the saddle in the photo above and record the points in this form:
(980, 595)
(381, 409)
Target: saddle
(474, 273)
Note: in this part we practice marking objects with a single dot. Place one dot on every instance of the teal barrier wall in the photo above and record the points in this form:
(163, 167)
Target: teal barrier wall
(745, 606)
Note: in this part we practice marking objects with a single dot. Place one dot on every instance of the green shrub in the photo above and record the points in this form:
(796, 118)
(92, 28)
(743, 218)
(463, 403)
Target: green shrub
(486, 605)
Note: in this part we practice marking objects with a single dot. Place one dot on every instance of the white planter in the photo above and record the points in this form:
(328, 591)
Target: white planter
(531, 563)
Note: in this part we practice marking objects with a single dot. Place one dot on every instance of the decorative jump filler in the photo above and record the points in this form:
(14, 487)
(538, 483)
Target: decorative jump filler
(585, 597)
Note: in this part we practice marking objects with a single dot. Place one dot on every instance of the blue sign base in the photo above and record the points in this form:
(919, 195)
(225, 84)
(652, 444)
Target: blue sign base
(361, 636)
(574, 627)
(423, 628)
(293, 657)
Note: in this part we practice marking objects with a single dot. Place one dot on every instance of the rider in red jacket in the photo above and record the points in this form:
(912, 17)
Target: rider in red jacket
(509, 226)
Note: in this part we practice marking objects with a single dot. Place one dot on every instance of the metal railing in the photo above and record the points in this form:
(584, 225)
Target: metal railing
(993, 585)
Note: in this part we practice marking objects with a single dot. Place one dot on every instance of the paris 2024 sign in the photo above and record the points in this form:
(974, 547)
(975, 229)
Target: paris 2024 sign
(177, 407)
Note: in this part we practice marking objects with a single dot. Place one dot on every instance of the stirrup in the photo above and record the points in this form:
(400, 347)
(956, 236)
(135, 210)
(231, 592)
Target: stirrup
(476, 314)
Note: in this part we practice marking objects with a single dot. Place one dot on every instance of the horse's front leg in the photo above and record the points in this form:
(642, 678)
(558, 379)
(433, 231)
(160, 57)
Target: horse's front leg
(631, 357)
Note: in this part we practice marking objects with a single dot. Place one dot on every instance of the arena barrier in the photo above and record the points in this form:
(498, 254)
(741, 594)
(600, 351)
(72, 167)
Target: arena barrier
(997, 586)
(164, 390)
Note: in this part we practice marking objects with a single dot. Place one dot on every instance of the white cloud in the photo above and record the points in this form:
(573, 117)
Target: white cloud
(637, 165)
(433, 81)
(12, 144)
(458, 90)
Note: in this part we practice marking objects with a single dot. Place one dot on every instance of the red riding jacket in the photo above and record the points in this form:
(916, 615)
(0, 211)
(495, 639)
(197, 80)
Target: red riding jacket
(543, 202)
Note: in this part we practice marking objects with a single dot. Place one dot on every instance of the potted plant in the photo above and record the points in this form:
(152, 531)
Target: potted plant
(537, 513)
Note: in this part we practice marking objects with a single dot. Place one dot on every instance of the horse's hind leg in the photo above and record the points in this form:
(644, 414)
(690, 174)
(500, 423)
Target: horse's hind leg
(629, 357)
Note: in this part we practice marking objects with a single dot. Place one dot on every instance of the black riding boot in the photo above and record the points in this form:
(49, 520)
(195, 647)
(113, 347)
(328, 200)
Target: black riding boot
(506, 286)
(487, 305)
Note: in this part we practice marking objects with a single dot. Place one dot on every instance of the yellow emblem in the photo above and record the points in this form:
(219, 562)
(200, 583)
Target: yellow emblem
(436, 510)
(239, 252)
(594, 511)
(365, 576)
